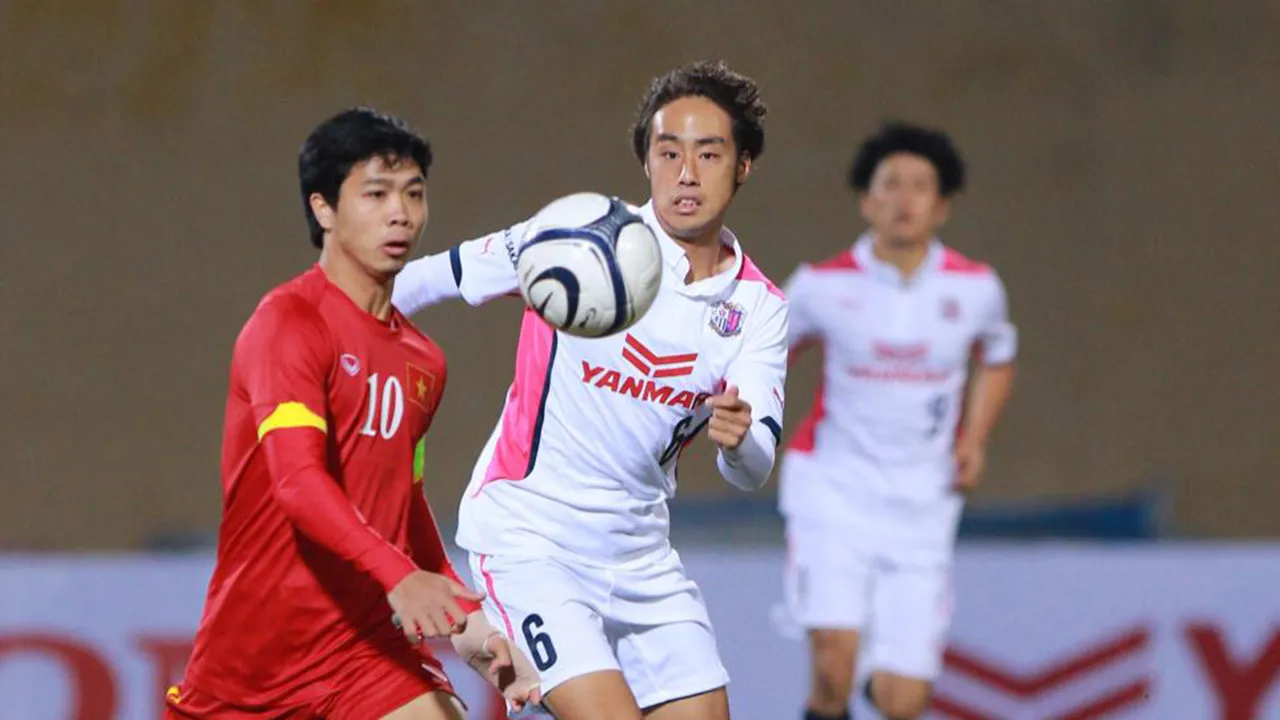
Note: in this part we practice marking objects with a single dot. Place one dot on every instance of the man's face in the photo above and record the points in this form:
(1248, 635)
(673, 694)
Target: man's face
(903, 203)
(380, 214)
(693, 166)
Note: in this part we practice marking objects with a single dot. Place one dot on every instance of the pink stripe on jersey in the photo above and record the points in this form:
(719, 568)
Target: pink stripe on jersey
(953, 261)
(806, 435)
(844, 260)
(751, 273)
(526, 400)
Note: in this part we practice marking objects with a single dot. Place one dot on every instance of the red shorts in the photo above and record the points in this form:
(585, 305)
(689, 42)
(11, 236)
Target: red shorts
(367, 685)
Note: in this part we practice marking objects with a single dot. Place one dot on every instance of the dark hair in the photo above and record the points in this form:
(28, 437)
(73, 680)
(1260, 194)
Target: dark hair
(735, 93)
(346, 140)
(900, 137)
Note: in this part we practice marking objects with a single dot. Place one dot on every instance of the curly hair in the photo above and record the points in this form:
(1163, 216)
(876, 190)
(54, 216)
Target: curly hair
(734, 92)
(900, 137)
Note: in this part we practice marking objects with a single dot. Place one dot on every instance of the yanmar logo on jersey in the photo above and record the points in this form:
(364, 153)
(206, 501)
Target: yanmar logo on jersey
(651, 367)
(897, 362)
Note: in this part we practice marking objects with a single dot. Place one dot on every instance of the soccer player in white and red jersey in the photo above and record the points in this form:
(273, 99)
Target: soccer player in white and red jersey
(566, 515)
(873, 482)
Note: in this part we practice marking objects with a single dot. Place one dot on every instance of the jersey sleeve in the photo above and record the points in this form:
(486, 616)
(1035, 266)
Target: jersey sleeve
(284, 358)
(801, 327)
(760, 374)
(476, 270)
(998, 336)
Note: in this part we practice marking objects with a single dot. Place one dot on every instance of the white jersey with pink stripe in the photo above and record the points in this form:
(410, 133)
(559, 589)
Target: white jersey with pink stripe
(583, 459)
(896, 355)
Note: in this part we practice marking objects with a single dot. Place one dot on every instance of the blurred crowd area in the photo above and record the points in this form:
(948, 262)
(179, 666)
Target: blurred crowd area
(1123, 179)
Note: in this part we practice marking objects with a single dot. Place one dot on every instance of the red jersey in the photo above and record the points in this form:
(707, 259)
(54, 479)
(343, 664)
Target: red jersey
(322, 509)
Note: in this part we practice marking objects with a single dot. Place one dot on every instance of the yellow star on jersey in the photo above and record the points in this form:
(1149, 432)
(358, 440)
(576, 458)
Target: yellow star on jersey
(422, 389)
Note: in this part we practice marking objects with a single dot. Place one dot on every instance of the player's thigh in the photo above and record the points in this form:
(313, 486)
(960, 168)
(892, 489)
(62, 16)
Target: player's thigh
(912, 616)
(550, 611)
(671, 662)
(710, 705)
(438, 705)
(828, 583)
(593, 695)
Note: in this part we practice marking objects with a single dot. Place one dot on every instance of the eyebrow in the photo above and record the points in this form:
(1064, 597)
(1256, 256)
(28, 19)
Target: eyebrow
(711, 140)
(386, 182)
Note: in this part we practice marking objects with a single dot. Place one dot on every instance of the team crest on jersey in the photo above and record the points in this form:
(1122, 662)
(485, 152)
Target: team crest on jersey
(726, 318)
(350, 364)
(950, 309)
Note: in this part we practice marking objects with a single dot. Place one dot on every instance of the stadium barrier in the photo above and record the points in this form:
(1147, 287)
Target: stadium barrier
(1158, 631)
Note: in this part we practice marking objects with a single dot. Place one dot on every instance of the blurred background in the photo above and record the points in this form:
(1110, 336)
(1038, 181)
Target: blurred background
(1124, 167)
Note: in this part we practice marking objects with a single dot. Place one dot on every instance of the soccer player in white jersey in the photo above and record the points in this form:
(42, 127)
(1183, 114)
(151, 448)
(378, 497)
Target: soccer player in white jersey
(873, 482)
(566, 515)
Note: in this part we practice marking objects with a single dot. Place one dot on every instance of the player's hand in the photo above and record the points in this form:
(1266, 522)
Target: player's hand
(730, 418)
(489, 653)
(510, 672)
(426, 605)
(970, 459)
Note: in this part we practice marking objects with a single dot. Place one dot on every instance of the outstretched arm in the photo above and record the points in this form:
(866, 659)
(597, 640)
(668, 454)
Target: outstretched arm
(476, 270)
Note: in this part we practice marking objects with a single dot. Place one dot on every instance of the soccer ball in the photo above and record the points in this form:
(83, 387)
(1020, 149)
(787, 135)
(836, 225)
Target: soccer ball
(588, 265)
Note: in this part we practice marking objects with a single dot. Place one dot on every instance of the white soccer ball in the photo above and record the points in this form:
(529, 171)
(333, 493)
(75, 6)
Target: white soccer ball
(588, 265)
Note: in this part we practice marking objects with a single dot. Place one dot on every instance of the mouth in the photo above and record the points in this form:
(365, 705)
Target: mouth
(396, 248)
(686, 204)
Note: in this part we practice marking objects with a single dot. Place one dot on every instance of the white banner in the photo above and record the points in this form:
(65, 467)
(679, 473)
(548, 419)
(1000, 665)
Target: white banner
(1042, 632)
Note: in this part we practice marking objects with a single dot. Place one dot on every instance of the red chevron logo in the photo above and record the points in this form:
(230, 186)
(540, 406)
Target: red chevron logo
(656, 366)
(1026, 686)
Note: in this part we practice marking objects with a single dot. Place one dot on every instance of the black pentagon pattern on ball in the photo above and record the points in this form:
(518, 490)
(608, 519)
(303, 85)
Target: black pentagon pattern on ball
(603, 232)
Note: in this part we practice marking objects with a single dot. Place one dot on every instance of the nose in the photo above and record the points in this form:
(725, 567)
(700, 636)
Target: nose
(689, 173)
(398, 209)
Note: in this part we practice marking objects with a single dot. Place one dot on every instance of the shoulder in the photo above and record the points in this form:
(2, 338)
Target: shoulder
(752, 277)
(420, 344)
(289, 312)
(957, 263)
(843, 261)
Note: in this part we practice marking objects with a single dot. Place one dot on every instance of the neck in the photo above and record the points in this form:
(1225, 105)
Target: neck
(906, 255)
(369, 291)
(707, 256)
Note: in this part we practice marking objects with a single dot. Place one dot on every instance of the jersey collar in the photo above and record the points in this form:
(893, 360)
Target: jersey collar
(887, 273)
(678, 263)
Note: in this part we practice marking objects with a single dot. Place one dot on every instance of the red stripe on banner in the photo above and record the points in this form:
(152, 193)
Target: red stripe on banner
(1134, 694)
(948, 708)
(1012, 683)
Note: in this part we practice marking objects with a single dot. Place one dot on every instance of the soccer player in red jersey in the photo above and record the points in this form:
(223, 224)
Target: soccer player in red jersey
(326, 535)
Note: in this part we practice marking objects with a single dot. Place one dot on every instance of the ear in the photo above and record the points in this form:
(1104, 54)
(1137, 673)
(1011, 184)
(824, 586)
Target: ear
(744, 168)
(864, 206)
(322, 210)
(942, 212)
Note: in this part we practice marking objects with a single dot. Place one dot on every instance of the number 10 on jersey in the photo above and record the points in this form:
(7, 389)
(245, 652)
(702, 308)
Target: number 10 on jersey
(386, 408)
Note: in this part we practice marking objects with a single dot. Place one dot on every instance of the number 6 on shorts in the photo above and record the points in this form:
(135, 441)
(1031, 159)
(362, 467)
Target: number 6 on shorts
(544, 653)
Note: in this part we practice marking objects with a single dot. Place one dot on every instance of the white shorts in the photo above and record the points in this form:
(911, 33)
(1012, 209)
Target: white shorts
(902, 610)
(645, 619)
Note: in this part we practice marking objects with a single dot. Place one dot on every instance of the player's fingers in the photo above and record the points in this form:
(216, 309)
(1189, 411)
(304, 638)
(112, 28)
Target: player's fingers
(501, 654)
(411, 628)
(436, 623)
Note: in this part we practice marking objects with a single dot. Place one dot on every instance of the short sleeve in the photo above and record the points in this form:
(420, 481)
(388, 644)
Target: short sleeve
(998, 336)
(801, 327)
